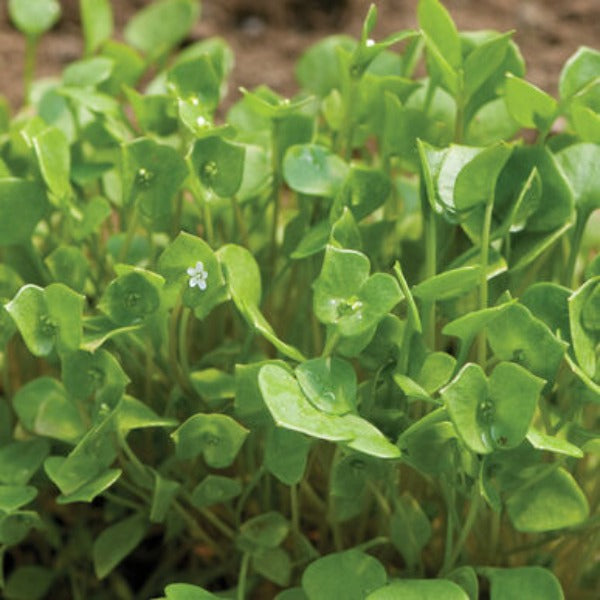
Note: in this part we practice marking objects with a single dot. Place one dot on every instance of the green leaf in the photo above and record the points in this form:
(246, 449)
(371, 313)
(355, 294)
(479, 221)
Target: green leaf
(242, 274)
(410, 529)
(351, 575)
(314, 170)
(164, 492)
(215, 489)
(551, 443)
(586, 123)
(15, 526)
(329, 384)
(159, 27)
(22, 205)
(213, 384)
(68, 265)
(496, 414)
(44, 408)
(419, 589)
(436, 370)
(476, 181)
(97, 23)
(552, 502)
(516, 335)
(264, 531)
(185, 591)
(529, 105)
(219, 165)
(91, 489)
(34, 17)
(29, 583)
(482, 62)
(116, 542)
(20, 460)
(435, 21)
(134, 414)
(273, 564)
(195, 80)
(449, 284)
(524, 582)
(13, 497)
(186, 252)
(217, 437)
(88, 72)
(153, 113)
(466, 578)
(54, 158)
(577, 163)
(583, 317)
(286, 453)
(152, 175)
(130, 298)
(581, 68)
(291, 409)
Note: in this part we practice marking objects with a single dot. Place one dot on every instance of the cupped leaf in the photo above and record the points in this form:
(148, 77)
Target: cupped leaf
(215, 489)
(351, 575)
(53, 154)
(164, 493)
(44, 408)
(22, 205)
(187, 252)
(130, 298)
(526, 582)
(577, 163)
(219, 165)
(581, 68)
(195, 80)
(31, 582)
(516, 335)
(185, 591)
(152, 175)
(410, 529)
(116, 542)
(13, 497)
(529, 105)
(34, 17)
(20, 460)
(551, 502)
(437, 23)
(97, 22)
(159, 27)
(584, 318)
(263, 532)
(217, 437)
(286, 454)
(329, 384)
(91, 489)
(314, 170)
(419, 589)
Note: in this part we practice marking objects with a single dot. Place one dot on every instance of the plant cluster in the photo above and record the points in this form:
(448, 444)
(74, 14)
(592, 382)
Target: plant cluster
(343, 345)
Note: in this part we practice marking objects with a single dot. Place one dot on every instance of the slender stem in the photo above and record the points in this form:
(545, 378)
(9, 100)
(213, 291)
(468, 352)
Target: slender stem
(241, 591)
(240, 223)
(275, 189)
(494, 534)
(295, 508)
(580, 224)
(450, 525)
(430, 271)
(459, 123)
(378, 541)
(483, 281)
(466, 529)
(349, 121)
(182, 342)
(131, 229)
(31, 44)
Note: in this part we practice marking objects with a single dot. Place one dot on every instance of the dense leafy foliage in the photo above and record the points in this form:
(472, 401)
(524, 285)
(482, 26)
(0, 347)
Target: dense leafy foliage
(344, 345)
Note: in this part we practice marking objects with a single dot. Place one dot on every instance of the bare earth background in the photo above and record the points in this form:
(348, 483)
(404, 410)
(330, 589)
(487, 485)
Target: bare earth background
(268, 36)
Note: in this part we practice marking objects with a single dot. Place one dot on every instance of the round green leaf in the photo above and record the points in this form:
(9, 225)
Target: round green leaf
(34, 17)
(218, 437)
(419, 589)
(264, 531)
(583, 318)
(578, 71)
(29, 582)
(195, 80)
(13, 497)
(215, 489)
(286, 453)
(351, 575)
(130, 298)
(553, 502)
(523, 582)
(314, 170)
(185, 591)
(22, 204)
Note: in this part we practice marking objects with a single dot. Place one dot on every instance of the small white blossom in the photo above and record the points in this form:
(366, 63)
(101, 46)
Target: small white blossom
(198, 275)
(370, 43)
(201, 121)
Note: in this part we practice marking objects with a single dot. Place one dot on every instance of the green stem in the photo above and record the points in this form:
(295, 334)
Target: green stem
(241, 591)
(240, 223)
(580, 224)
(459, 123)
(275, 200)
(466, 529)
(349, 122)
(330, 343)
(131, 229)
(494, 534)
(295, 508)
(182, 342)
(450, 525)
(483, 281)
(31, 44)
(430, 271)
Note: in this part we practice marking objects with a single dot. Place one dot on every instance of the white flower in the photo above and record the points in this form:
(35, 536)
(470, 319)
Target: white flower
(197, 275)
(370, 43)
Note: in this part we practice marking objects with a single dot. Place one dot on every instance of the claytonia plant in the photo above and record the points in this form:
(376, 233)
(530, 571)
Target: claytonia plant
(391, 386)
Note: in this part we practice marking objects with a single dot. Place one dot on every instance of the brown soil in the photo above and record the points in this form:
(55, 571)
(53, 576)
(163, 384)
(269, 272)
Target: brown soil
(268, 36)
